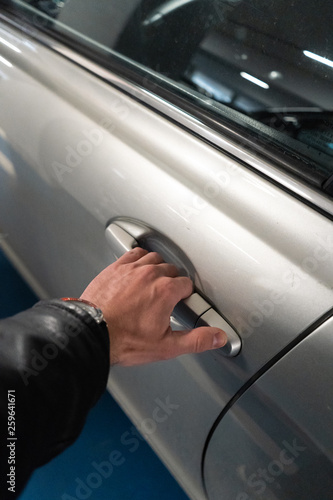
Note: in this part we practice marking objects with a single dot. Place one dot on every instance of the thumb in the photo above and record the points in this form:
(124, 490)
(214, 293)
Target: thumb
(199, 340)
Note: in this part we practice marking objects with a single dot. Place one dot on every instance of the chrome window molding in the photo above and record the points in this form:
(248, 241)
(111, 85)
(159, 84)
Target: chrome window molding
(308, 194)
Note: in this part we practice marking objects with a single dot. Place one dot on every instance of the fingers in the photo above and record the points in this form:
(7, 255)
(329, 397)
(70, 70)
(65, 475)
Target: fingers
(151, 258)
(180, 288)
(198, 340)
(167, 270)
(132, 255)
(142, 257)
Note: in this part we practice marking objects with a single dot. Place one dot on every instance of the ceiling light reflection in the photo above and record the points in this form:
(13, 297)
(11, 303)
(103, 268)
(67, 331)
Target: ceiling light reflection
(10, 45)
(274, 75)
(255, 80)
(320, 59)
(4, 61)
(7, 165)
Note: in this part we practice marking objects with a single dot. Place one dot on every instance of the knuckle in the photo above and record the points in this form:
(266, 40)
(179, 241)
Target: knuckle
(173, 269)
(137, 251)
(167, 285)
(131, 256)
(199, 343)
(155, 255)
(149, 271)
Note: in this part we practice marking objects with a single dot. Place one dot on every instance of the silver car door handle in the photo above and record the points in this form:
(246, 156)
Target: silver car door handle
(191, 312)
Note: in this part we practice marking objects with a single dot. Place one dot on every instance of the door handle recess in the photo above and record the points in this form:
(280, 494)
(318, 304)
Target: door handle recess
(192, 312)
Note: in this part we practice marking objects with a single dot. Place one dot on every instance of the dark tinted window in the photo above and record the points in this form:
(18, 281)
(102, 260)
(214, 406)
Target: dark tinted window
(263, 66)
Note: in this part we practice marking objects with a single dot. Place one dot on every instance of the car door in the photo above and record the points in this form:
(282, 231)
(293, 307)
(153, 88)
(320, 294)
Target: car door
(282, 449)
(103, 124)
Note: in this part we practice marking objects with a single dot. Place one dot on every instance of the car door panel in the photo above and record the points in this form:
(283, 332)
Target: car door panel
(277, 440)
(94, 154)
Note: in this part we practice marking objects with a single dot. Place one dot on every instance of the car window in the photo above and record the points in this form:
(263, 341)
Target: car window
(264, 68)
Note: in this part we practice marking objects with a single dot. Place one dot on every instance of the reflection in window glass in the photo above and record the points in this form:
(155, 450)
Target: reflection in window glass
(269, 60)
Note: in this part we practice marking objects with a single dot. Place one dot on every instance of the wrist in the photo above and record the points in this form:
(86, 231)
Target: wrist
(94, 311)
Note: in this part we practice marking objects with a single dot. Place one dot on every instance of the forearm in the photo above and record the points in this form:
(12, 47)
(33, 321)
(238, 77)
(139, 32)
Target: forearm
(57, 361)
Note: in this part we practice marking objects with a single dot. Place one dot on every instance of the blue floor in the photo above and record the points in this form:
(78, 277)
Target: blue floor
(73, 475)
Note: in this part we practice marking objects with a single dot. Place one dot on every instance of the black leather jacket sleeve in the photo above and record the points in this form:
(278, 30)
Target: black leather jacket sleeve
(55, 362)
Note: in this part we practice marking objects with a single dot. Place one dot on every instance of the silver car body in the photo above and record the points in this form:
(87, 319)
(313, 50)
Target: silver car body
(81, 147)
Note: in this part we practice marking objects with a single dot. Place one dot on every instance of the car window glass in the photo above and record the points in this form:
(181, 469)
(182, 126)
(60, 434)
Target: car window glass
(265, 65)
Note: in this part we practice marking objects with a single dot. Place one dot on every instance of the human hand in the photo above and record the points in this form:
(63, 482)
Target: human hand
(137, 295)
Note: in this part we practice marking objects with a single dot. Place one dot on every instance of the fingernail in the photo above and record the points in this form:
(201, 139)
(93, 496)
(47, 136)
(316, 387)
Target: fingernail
(220, 339)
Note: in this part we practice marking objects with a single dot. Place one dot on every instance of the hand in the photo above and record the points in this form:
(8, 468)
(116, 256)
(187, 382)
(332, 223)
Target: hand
(137, 294)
